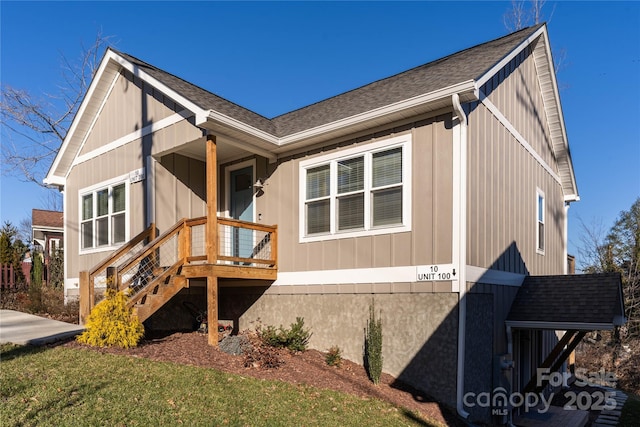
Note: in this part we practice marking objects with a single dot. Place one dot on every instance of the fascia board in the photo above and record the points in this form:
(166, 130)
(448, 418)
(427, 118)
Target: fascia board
(444, 93)
(559, 326)
(52, 178)
(467, 86)
(498, 66)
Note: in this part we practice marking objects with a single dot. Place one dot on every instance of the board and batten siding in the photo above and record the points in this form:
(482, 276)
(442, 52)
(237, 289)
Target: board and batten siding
(130, 106)
(177, 194)
(503, 178)
(428, 242)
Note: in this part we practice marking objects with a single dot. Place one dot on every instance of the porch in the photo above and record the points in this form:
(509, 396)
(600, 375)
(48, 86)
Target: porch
(153, 270)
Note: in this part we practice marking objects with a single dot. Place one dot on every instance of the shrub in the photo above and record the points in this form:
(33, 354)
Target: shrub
(111, 323)
(334, 356)
(373, 346)
(295, 339)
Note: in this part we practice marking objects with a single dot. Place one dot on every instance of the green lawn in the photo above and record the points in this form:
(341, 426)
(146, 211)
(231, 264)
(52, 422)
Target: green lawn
(61, 386)
(630, 412)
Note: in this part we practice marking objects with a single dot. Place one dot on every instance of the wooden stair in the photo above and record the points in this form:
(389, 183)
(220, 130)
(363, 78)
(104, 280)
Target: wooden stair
(157, 292)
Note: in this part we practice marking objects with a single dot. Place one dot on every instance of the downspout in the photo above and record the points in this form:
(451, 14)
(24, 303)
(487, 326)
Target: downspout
(565, 239)
(460, 223)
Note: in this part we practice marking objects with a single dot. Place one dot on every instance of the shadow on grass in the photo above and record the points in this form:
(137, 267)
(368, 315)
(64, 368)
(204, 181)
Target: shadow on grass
(13, 351)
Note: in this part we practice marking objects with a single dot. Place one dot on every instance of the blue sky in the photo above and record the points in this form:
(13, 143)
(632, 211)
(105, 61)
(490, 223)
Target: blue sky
(276, 57)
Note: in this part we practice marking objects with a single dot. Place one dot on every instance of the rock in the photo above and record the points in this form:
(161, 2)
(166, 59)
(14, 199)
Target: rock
(233, 344)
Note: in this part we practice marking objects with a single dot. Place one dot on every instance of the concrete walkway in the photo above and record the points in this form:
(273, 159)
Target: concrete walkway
(27, 329)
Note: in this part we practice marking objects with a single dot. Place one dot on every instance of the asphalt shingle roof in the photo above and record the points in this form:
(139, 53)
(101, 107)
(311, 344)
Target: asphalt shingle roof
(45, 218)
(466, 65)
(580, 298)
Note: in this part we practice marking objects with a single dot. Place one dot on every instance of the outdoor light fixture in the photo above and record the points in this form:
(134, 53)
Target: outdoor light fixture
(259, 185)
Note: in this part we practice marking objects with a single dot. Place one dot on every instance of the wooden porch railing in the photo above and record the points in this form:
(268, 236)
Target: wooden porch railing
(241, 245)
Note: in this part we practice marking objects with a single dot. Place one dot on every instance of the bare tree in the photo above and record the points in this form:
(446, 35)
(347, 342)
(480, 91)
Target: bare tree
(34, 127)
(519, 16)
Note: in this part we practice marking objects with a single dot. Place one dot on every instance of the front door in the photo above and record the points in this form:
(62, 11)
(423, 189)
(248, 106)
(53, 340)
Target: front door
(241, 207)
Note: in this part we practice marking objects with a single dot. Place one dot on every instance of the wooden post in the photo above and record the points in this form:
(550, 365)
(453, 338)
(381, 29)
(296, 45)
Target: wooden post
(112, 278)
(85, 297)
(211, 238)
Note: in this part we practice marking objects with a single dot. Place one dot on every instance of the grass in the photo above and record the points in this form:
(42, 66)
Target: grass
(62, 386)
(630, 412)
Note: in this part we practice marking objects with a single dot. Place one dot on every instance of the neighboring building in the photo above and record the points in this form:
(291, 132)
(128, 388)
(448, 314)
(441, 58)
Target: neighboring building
(433, 192)
(47, 230)
(47, 235)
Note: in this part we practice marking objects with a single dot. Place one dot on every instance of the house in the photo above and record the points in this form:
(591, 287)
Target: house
(47, 231)
(432, 193)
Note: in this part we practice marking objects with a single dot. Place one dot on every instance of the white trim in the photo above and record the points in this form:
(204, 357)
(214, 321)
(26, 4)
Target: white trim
(540, 193)
(94, 121)
(140, 133)
(515, 52)
(227, 179)
(512, 130)
(405, 141)
(405, 274)
(122, 179)
(493, 277)
(379, 112)
(138, 72)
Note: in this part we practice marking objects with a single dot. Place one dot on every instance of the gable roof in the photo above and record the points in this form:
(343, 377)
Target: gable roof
(579, 302)
(419, 90)
(41, 218)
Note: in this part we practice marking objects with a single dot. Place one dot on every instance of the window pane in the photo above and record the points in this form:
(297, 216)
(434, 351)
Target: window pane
(350, 175)
(387, 167)
(387, 207)
(102, 231)
(540, 208)
(119, 200)
(103, 202)
(87, 206)
(318, 217)
(318, 182)
(87, 234)
(351, 212)
(117, 228)
(541, 236)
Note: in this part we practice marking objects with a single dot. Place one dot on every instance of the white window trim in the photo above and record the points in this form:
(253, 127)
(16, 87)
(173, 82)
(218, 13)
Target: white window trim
(540, 193)
(91, 189)
(403, 141)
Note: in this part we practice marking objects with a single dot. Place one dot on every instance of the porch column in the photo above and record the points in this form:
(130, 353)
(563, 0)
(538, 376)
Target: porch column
(212, 239)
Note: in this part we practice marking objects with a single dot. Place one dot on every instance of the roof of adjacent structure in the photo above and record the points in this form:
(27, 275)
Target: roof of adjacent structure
(579, 301)
(47, 219)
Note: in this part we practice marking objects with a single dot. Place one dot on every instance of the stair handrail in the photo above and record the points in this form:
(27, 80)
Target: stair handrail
(124, 249)
(152, 246)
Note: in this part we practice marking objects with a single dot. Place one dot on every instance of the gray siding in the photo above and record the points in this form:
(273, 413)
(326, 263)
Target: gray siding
(429, 241)
(503, 177)
(131, 105)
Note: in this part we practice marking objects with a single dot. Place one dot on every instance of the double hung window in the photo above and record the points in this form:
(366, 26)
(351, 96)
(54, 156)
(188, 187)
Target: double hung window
(364, 190)
(103, 216)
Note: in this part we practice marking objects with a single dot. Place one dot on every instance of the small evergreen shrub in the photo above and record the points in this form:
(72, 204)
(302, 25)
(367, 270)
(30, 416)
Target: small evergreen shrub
(334, 356)
(295, 339)
(111, 323)
(373, 346)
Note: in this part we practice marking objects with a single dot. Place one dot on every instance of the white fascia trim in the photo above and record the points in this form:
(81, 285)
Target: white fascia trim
(140, 133)
(378, 112)
(493, 70)
(512, 130)
(55, 180)
(348, 276)
(138, 72)
(559, 326)
(348, 121)
(493, 277)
